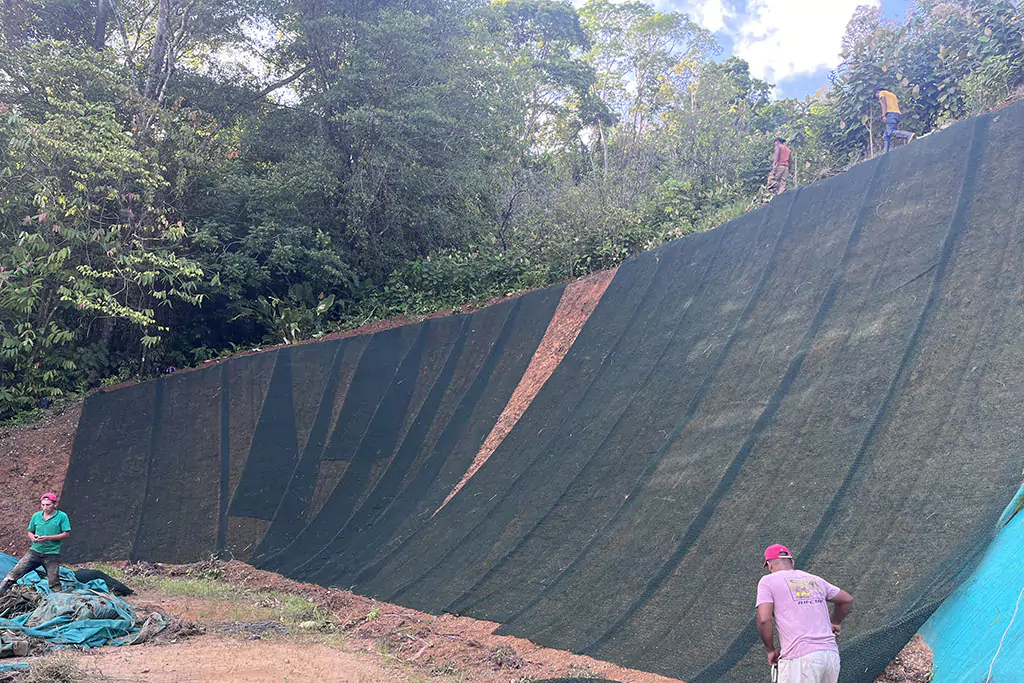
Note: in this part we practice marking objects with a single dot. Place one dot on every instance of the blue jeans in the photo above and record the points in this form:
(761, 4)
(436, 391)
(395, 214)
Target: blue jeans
(892, 124)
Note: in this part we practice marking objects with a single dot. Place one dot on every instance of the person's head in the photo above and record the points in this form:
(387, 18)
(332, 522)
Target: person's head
(48, 501)
(778, 558)
(780, 141)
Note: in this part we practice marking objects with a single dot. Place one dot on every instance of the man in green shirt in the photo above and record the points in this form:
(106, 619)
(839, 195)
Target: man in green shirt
(47, 529)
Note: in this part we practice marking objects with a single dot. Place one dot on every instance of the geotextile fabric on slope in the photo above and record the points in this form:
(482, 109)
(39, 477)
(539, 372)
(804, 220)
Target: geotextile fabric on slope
(273, 453)
(837, 371)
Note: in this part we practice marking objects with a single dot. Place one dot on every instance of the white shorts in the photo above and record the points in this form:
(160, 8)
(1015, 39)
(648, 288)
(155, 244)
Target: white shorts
(816, 667)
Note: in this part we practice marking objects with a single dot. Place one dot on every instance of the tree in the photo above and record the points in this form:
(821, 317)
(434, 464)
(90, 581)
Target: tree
(643, 58)
(27, 21)
(536, 48)
(87, 263)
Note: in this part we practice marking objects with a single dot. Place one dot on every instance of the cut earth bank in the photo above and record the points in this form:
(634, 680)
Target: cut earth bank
(259, 626)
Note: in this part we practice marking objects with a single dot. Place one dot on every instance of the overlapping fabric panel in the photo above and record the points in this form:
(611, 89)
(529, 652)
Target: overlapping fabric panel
(267, 457)
(105, 483)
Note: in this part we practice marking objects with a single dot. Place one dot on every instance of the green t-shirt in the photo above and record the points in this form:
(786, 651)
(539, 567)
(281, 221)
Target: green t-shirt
(40, 526)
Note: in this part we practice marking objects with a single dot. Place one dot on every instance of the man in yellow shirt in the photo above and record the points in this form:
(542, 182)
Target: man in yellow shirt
(892, 116)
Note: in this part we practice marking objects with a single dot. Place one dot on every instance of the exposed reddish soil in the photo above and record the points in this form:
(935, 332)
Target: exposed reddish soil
(221, 659)
(423, 641)
(577, 303)
(388, 634)
(33, 460)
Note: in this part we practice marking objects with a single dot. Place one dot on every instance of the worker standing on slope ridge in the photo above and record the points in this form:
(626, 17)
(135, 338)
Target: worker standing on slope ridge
(795, 601)
(892, 116)
(780, 168)
(47, 529)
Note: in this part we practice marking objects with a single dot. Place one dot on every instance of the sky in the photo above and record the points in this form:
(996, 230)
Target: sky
(793, 44)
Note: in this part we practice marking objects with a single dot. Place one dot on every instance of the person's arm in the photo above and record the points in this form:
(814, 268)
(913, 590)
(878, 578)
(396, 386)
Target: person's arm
(843, 602)
(881, 98)
(775, 157)
(766, 627)
(56, 537)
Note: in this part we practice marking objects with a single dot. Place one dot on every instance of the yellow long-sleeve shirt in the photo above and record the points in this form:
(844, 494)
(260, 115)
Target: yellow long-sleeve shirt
(889, 102)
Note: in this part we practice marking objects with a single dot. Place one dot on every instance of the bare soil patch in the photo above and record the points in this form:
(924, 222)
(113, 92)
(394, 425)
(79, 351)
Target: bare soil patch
(365, 641)
(222, 659)
(578, 301)
(33, 460)
(912, 665)
(347, 638)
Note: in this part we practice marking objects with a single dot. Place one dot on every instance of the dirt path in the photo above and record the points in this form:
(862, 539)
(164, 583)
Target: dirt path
(228, 660)
(259, 626)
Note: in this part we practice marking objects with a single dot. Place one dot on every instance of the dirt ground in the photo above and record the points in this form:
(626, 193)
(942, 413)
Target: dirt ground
(33, 460)
(353, 639)
(348, 638)
(368, 641)
(222, 660)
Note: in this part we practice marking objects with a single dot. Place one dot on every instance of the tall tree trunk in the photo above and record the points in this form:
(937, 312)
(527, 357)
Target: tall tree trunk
(99, 36)
(158, 55)
(604, 153)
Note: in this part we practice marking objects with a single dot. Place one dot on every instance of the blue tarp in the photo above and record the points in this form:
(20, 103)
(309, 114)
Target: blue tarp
(977, 635)
(83, 614)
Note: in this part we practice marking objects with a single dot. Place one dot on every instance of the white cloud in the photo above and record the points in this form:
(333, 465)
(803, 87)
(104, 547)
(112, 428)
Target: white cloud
(785, 38)
(711, 14)
(780, 39)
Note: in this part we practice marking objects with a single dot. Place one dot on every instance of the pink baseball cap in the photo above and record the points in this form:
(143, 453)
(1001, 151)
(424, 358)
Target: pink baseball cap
(51, 496)
(776, 552)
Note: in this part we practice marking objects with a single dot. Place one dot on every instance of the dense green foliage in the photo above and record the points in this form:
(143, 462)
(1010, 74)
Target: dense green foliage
(181, 179)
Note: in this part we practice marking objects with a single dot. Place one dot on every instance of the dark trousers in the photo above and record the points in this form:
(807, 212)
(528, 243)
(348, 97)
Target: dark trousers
(30, 561)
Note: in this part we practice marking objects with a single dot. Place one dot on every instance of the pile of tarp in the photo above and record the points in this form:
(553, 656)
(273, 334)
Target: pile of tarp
(82, 615)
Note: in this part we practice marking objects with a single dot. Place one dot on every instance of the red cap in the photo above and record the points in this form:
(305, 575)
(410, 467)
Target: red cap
(51, 496)
(776, 552)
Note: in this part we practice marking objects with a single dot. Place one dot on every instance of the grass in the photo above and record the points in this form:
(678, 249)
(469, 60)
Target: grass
(250, 605)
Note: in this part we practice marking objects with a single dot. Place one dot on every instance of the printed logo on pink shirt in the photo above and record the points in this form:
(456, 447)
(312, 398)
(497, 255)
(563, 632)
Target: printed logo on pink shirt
(806, 591)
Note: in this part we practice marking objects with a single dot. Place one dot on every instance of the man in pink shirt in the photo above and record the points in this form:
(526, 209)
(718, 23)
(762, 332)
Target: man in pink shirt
(796, 603)
(781, 159)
